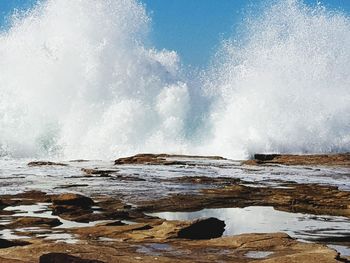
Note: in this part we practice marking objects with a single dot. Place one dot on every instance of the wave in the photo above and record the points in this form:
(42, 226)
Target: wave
(80, 79)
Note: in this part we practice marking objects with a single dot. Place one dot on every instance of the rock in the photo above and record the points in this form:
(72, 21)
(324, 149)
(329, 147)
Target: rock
(70, 199)
(45, 163)
(70, 212)
(161, 159)
(302, 198)
(64, 258)
(203, 229)
(149, 159)
(91, 171)
(11, 243)
(74, 207)
(33, 222)
(194, 230)
(342, 159)
(125, 244)
(203, 180)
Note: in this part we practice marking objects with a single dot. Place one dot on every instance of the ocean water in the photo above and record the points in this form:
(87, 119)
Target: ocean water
(81, 79)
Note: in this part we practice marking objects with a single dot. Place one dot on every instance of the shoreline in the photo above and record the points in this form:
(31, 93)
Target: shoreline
(121, 226)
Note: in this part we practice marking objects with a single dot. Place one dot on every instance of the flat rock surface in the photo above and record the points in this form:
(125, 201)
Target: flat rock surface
(107, 212)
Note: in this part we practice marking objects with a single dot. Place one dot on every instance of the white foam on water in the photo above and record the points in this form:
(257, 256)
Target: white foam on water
(284, 85)
(80, 79)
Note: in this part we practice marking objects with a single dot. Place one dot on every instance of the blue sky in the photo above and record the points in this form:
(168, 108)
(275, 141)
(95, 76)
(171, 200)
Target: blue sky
(193, 28)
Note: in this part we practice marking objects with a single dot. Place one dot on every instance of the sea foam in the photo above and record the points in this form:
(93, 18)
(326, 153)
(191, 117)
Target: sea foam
(284, 86)
(81, 79)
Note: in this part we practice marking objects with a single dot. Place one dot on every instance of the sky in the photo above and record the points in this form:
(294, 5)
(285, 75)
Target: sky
(193, 28)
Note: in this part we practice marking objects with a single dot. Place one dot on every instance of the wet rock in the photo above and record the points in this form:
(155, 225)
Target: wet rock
(26, 198)
(129, 178)
(12, 243)
(45, 163)
(161, 159)
(91, 171)
(62, 257)
(70, 199)
(203, 180)
(115, 223)
(304, 198)
(34, 222)
(36, 196)
(123, 243)
(203, 229)
(73, 207)
(342, 159)
(71, 186)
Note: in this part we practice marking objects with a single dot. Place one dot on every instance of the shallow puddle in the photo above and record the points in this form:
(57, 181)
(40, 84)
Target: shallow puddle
(257, 219)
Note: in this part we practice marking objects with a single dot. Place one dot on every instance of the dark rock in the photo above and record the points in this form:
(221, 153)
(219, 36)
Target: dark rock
(45, 163)
(91, 171)
(71, 186)
(203, 229)
(115, 223)
(12, 243)
(265, 157)
(71, 199)
(64, 258)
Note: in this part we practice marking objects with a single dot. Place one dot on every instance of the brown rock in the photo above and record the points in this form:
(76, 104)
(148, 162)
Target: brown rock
(160, 159)
(342, 159)
(34, 221)
(71, 199)
(304, 198)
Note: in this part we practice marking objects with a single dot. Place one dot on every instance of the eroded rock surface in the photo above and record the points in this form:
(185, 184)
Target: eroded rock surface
(131, 234)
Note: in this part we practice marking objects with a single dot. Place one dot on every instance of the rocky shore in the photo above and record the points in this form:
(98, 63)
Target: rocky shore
(71, 223)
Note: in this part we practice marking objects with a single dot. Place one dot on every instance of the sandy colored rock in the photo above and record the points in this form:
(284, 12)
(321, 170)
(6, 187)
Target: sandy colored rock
(282, 248)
